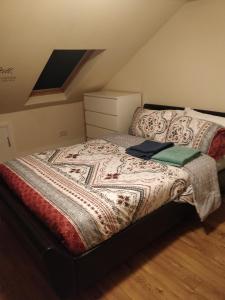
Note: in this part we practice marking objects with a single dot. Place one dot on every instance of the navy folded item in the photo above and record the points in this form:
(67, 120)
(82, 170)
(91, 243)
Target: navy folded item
(147, 149)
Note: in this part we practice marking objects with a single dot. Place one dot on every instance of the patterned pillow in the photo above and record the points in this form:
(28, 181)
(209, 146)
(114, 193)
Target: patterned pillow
(152, 124)
(196, 133)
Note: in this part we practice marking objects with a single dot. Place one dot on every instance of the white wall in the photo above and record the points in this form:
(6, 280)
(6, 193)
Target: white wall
(30, 30)
(184, 63)
(40, 129)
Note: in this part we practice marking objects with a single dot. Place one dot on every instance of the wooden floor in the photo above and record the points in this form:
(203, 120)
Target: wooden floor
(187, 263)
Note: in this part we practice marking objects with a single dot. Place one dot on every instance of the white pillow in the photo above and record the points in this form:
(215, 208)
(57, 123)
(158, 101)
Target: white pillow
(192, 113)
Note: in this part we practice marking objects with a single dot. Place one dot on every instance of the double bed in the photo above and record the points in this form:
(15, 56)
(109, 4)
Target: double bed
(111, 205)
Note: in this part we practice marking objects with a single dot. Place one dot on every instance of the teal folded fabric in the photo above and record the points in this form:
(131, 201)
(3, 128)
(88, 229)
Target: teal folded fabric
(176, 156)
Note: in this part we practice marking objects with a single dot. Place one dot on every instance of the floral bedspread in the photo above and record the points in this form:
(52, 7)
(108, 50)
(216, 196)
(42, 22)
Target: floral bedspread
(88, 192)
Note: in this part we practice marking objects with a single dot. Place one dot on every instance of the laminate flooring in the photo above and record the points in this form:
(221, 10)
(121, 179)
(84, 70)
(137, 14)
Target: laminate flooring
(186, 263)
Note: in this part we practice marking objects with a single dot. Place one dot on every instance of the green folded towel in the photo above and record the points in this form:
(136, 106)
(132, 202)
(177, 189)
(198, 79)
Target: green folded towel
(176, 156)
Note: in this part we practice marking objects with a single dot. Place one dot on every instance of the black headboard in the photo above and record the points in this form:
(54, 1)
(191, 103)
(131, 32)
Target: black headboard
(162, 107)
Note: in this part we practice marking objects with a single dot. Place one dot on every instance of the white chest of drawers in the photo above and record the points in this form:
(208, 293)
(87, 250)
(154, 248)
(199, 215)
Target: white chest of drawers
(109, 111)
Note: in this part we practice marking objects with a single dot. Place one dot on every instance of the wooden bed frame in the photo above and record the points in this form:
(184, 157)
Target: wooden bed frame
(69, 274)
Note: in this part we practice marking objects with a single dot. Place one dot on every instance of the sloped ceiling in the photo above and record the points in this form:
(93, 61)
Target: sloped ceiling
(30, 30)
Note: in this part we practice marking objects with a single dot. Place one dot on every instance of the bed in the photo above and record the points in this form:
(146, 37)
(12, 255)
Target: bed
(71, 272)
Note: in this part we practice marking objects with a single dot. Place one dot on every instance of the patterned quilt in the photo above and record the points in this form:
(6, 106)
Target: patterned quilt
(88, 192)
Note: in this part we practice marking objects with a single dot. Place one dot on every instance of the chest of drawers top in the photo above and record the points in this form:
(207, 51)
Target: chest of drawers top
(110, 102)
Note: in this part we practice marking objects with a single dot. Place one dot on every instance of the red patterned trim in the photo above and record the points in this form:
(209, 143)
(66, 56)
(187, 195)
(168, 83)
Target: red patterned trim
(217, 147)
(44, 210)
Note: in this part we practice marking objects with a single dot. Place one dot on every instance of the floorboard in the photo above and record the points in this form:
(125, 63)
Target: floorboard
(186, 263)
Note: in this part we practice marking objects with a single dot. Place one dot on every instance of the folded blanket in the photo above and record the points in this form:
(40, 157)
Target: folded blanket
(177, 155)
(147, 149)
(204, 181)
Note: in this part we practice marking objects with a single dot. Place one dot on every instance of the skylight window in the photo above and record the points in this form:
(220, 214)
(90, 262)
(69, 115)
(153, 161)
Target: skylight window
(60, 69)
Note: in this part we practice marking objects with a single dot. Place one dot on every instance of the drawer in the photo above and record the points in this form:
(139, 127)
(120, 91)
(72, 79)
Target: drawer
(102, 105)
(101, 120)
(95, 132)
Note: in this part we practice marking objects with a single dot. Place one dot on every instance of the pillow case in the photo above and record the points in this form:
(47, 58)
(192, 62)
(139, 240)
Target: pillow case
(196, 133)
(193, 113)
(217, 147)
(152, 124)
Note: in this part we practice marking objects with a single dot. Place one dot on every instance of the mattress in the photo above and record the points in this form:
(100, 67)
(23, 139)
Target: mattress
(88, 192)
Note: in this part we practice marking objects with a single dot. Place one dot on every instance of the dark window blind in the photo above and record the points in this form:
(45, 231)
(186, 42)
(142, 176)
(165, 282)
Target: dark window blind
(58, 68)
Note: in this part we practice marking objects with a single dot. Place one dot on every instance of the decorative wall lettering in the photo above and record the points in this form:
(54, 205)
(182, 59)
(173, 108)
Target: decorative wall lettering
(7, 74)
